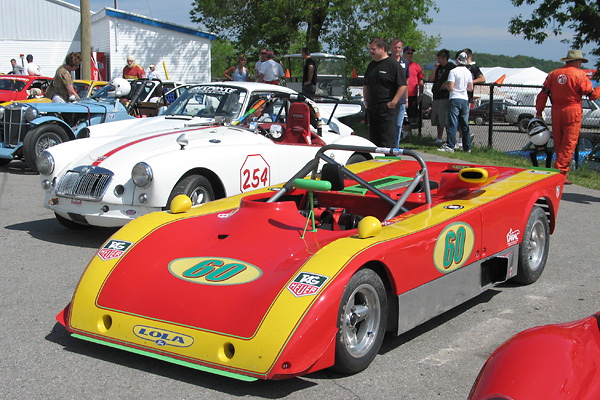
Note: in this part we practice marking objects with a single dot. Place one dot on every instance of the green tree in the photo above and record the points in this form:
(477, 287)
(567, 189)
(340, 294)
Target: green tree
(554, 16)
(346, 26)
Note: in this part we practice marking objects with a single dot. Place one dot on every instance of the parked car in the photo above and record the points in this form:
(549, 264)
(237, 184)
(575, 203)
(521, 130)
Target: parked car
(84, 88)
(310, 274)
(558, 361)
(18, 87)
(193, 148)
(28, 129)
(481, 114)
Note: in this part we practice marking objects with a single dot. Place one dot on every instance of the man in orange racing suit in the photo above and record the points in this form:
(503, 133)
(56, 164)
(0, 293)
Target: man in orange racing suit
(565, 87)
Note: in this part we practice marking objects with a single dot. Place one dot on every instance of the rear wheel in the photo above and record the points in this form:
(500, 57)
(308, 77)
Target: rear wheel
(479, 120)
(356, 158)
(362, 317)
(196, 187)
(533, 251)
(39, 139)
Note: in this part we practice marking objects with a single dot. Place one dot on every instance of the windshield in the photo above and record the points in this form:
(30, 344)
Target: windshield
(209, 101)
(13, 85)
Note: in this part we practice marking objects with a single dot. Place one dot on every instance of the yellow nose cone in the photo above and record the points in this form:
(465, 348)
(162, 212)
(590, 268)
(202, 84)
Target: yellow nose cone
(181, 203)
(368, 226)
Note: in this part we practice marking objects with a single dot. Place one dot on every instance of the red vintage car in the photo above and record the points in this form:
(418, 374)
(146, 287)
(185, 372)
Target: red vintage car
(560, 361)
(19, 87)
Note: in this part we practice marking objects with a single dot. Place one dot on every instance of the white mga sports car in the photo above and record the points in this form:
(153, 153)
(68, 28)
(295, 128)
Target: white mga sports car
(215, 140)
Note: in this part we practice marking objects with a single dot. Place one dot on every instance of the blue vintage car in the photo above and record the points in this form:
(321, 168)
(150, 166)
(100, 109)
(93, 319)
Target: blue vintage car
(28, 129)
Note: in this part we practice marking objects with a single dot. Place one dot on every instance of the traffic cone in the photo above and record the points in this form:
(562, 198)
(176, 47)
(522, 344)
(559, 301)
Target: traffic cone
(354, 76)
(500, 80)
(287, 73)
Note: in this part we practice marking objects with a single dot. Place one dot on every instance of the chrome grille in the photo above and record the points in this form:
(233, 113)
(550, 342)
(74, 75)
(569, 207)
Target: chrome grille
(86, 183)
(14, 125)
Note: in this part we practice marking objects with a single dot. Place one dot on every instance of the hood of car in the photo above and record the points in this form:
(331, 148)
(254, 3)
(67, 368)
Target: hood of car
(129, 150)
(211, 272)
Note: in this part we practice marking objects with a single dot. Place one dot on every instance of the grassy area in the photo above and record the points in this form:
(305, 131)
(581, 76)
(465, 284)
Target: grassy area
(582, 176)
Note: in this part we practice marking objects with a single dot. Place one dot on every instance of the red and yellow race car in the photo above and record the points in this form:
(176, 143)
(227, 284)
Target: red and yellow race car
(310, 274)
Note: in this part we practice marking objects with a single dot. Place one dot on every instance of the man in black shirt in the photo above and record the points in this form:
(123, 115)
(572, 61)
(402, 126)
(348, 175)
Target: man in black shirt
(309, 74)
(385, 84)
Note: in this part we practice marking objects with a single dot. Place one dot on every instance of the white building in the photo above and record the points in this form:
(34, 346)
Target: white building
(50, 29)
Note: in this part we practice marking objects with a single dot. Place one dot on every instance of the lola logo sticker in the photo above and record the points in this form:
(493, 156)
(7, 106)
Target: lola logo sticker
(306, 284)
(214, 270)
(453, 247)
(162, 337)
(113, 249)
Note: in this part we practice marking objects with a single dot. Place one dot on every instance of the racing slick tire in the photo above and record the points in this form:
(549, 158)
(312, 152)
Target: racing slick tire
(39, 139)
(362, 320)
(356, 158)
(196, 187)
(67, 223)
(533, 251)
(479, 120)
(523, 124)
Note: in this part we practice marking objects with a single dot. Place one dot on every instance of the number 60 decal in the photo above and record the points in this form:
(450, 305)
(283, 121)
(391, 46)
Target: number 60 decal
(453, 247)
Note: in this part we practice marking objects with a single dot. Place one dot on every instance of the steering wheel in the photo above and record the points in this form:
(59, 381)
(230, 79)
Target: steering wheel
(326, 84)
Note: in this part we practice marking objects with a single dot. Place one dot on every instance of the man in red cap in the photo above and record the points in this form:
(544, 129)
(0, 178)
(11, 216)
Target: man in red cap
(565, 87)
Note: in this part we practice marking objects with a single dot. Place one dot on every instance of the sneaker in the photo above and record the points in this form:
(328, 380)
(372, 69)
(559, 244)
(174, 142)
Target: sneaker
(446, 148)
(438, 141)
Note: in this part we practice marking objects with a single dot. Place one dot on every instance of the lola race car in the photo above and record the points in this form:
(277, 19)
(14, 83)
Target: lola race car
(382, 245)
(114, 179)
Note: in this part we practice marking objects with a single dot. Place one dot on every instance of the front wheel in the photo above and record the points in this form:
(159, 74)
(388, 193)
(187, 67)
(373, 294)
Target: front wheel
(40, 139)
(196, 187)
(361, 322)
(533, 251)
(356, 158)
(479, 120)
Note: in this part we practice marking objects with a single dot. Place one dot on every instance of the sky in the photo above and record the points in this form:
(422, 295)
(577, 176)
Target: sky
(481, 25)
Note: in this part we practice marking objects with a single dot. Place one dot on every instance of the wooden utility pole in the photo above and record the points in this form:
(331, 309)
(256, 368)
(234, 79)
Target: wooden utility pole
(86, 40)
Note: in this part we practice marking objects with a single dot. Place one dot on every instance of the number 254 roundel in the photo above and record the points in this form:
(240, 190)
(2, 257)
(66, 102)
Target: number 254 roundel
(255, 173)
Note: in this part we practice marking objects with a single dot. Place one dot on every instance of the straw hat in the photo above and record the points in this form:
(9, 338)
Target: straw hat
(574, 55)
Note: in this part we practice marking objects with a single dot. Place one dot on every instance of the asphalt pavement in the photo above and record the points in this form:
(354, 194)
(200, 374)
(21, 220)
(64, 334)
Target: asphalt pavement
(42, 262)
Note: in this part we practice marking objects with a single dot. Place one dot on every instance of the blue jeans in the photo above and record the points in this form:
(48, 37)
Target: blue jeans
(400, 122)
(458, 118)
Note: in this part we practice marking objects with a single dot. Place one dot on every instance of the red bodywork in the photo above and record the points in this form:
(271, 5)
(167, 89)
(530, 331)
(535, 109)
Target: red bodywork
(18, 85)
(559, 361)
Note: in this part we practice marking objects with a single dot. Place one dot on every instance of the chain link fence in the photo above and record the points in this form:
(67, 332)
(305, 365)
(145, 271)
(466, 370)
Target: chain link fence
(510, 107)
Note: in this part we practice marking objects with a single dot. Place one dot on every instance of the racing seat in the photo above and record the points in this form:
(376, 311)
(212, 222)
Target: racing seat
(297, 128)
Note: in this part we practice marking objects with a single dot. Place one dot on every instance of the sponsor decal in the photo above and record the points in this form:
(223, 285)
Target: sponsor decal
(562, 79)
(76, 202)
(226, 215)
(453, 247)
(113, 249)
(512, 237)
(111, 116)
(458, 167)
(162, 337)
(130, 212)
(307, 284)
(537, 172)
(214, 270)
(558, 192)
(101, 158)
(454, 207)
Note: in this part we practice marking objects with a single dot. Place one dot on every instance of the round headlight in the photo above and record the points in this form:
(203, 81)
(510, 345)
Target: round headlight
(31, 114)
(45, 163)
(1, 112)
(141, 174)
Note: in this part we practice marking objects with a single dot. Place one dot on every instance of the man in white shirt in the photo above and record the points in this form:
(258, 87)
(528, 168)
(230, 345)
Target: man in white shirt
(31, 67)
(460, 81)
(270, 70)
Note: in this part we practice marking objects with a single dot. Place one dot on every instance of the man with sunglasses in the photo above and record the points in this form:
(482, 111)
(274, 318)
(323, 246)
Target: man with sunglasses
(263, 58)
